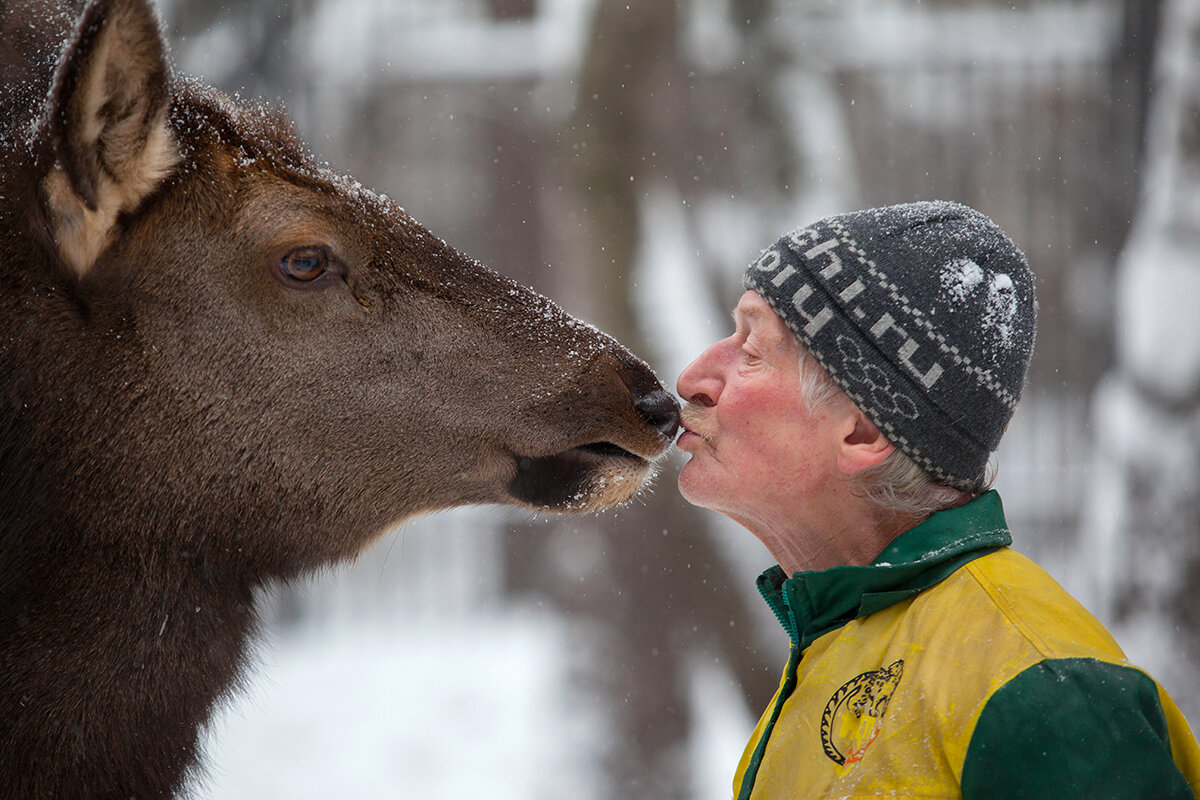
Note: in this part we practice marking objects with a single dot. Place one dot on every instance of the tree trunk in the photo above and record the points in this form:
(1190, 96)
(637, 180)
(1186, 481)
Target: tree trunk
(648, 582)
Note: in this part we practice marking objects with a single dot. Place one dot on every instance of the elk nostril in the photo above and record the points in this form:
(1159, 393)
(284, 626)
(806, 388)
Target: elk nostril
(661, 411)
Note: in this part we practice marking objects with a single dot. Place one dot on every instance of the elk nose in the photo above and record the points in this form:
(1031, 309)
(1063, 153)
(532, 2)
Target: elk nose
(661, 411)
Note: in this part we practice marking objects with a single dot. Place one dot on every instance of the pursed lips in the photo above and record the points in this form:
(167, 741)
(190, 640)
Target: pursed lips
(692, 423)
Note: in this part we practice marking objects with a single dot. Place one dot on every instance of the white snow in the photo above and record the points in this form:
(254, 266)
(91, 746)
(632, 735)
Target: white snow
(1001, 307)
(721, 727)
(413, 677)
(960, 277)
(895, 33)
(1159, 329)
(392, 708)
(483, 707)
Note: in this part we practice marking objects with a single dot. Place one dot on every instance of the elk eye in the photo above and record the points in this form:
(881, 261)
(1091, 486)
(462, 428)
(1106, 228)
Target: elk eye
(304, 263)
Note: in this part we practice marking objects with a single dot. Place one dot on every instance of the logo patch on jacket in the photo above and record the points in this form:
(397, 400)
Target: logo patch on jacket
(854, 714)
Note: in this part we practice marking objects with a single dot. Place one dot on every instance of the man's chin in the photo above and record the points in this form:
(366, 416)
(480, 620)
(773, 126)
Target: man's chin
(692, 485)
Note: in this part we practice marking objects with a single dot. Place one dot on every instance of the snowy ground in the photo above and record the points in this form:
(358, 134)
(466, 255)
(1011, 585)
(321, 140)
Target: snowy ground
(481, 708)
(387, 709)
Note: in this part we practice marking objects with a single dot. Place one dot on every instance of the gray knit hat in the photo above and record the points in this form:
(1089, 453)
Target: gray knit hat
(924, 313)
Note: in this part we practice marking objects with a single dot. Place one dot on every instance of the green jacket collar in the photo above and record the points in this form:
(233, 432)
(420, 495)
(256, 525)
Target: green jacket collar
(811, 604)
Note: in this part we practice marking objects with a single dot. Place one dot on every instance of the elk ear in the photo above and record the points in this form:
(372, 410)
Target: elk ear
(106, 117)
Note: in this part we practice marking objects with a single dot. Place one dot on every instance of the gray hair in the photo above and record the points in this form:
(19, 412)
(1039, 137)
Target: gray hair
(895, 484)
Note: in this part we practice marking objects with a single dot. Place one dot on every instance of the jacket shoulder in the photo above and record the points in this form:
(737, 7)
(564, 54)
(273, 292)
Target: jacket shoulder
(1012, 600)
(968, 636)
(1079, 727)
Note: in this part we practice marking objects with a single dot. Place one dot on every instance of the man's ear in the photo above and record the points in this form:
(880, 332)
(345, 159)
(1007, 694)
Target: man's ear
(863, 445)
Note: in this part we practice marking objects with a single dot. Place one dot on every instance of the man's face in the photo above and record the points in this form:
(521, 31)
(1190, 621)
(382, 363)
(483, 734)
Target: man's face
(756, 452)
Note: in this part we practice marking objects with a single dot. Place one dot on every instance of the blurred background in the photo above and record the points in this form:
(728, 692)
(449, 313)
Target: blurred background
(629, 158)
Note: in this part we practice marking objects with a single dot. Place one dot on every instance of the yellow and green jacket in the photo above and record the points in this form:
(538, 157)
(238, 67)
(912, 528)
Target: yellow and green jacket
(955, 667)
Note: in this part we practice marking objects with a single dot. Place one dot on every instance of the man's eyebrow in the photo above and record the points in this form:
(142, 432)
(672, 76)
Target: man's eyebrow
(746, 312)
(755, 314)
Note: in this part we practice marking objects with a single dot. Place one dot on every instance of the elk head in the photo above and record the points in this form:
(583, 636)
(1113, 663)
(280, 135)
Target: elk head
(276, 348)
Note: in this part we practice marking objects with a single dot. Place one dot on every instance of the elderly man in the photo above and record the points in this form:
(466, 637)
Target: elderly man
(847, 423)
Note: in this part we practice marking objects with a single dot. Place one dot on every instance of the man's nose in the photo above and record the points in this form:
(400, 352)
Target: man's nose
(698, 382)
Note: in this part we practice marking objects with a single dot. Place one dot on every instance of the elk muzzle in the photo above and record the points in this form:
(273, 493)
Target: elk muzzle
(597, 475)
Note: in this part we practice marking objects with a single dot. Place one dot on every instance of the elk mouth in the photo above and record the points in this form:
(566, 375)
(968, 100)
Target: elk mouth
(588, 477)
(608, 450)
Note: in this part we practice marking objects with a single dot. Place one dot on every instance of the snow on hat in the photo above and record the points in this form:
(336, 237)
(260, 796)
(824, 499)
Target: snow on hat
(924, 313)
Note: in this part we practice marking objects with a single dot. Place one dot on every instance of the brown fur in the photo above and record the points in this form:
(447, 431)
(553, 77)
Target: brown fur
(180, 422)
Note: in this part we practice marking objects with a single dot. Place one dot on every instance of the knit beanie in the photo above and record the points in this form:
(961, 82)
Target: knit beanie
(924, 313)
